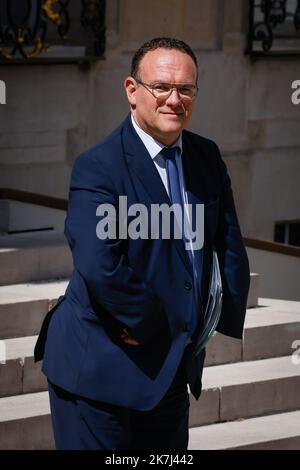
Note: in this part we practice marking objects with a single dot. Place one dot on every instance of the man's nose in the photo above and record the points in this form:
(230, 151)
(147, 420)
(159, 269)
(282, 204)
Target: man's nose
(174, 97)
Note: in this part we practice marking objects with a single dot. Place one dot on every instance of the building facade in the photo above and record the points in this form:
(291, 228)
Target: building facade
(54, 111)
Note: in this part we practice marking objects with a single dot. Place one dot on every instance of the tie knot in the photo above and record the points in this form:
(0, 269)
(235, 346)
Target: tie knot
(169, 153)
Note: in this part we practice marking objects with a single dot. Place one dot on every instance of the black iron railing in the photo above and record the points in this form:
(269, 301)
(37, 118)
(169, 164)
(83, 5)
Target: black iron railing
(274, 28)
(51, 30)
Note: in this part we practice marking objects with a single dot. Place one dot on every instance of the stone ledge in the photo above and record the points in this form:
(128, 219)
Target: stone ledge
(279, 431)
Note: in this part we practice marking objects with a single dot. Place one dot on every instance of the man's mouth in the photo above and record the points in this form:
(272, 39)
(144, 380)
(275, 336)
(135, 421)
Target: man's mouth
(172, 114)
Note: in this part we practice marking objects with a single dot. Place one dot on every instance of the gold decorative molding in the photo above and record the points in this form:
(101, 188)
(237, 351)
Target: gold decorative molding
(39, 46)
(29, 32)
(48, 11)
(5, 54)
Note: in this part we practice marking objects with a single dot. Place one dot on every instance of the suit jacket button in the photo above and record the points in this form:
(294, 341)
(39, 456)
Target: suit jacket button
(188, 285)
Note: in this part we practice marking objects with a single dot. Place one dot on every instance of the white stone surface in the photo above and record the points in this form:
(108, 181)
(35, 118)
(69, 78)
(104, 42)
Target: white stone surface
(24, 406)
(282, 305)
(279, 273)
(272, 312)
(29, 257)
(32, 291)
(242, 433)
(19, 347)
(253, 294)
(249, 372)
(22, 216)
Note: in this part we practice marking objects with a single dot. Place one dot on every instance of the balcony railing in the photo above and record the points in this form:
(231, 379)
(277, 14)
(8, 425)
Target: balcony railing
(34, 31)
(274, 28)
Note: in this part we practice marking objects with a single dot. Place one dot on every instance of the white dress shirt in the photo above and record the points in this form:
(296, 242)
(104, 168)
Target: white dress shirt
(154, 148)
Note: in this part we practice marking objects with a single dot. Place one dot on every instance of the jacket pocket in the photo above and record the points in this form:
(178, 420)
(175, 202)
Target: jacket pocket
(41, 341)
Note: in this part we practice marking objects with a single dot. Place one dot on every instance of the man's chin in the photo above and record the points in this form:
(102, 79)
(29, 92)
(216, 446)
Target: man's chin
(172, 125)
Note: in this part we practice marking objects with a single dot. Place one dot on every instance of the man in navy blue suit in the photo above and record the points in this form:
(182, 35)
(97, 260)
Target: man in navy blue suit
(129, 334)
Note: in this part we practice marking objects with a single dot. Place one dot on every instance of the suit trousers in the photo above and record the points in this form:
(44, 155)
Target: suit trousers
(83, 424)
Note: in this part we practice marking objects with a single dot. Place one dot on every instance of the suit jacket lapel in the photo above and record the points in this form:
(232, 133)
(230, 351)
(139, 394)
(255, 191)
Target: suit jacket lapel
(140, 162)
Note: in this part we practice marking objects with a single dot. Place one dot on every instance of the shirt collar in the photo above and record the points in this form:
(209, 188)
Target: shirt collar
(153, 146)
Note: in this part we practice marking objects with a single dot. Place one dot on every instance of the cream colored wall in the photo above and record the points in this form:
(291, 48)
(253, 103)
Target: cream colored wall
(278, 274)
(54, 112)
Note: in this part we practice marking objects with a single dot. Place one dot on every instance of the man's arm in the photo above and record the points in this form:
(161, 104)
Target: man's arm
(103, 264)
(233, 260)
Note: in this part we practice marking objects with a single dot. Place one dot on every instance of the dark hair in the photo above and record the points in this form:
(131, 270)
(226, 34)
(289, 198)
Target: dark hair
(157, 43)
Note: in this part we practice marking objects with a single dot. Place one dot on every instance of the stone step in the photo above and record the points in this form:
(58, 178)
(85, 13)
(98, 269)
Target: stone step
(34, 256)
(32, 300)
(270, 331)
(247, 389)
(253, 294)
(274, 432)
(19, 373)
(16, 216)
(23, 306)
(25, 422)
(230, 391)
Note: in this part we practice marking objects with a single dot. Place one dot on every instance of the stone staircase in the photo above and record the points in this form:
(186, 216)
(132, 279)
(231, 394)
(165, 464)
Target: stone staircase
(250, 397)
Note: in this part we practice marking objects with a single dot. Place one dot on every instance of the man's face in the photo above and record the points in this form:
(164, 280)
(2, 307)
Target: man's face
(163, 120)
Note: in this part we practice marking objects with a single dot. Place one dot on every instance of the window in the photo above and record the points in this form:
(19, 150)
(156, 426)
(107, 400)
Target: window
(287, 232)
(274, 28)
(51, 30)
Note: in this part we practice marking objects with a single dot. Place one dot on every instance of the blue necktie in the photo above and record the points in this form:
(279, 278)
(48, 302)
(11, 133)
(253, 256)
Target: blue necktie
(169, 155)
(176, 198)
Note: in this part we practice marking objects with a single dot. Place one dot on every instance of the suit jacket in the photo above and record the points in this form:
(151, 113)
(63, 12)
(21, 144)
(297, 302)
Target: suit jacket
(144, 285)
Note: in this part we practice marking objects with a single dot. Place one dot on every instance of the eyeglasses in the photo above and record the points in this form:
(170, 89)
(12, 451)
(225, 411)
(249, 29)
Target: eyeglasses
(162, 91)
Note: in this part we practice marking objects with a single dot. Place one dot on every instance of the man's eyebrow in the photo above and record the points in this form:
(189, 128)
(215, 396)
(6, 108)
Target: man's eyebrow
(172, 83)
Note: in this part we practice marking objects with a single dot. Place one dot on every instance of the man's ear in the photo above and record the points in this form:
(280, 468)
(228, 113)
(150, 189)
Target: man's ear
(130, 88)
